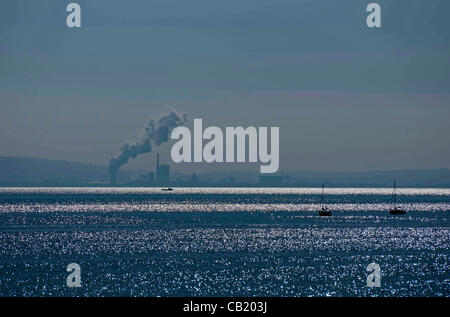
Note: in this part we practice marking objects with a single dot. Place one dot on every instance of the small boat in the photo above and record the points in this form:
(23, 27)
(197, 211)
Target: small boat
(395, 210)
(323, 212)
(168, 189)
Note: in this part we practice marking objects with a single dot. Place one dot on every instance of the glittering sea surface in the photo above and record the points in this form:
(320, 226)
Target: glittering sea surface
(223, 242)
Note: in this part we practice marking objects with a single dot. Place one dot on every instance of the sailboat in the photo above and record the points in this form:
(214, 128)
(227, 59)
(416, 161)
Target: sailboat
(324, 212)
(395, 210)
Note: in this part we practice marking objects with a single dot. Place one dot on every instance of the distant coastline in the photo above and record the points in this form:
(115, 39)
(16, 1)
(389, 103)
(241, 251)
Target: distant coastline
(39, 172)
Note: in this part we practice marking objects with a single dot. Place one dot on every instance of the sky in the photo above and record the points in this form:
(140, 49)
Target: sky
(345, 97)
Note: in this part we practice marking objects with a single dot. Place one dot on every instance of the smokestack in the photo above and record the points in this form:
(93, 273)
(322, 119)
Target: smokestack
(156, 131)
(157, 166)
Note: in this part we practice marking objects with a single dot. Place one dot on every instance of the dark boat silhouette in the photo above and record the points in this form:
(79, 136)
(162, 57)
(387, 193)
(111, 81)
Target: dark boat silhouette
(168, 189)
(323, 212)
(395, 210)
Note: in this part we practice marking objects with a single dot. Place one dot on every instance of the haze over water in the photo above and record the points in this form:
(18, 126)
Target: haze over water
(222, 242)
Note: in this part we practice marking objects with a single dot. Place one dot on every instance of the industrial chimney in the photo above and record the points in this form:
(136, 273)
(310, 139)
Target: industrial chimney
(157, 166)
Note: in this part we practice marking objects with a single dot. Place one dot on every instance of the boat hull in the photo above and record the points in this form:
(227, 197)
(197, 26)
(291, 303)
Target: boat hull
(397, 212)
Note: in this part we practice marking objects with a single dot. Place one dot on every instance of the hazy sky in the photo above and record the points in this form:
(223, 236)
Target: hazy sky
(345, 97)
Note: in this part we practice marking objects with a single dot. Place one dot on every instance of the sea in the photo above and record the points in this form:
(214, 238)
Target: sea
(223, 242)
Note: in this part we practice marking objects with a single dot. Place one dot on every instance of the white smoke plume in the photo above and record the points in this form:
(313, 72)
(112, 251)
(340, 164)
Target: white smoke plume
(156, 132)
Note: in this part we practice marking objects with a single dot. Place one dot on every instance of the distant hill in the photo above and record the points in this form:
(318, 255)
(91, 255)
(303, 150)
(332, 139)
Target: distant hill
(38, 171)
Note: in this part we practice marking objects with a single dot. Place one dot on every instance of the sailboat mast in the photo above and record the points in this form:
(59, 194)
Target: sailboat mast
(321, 197)
(395, 194)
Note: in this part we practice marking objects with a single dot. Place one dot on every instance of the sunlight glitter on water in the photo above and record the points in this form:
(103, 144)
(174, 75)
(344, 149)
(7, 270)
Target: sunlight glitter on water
(222, 242)
(219, 207)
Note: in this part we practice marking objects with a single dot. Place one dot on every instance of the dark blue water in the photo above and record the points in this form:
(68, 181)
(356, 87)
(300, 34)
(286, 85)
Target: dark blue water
(222, 242)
